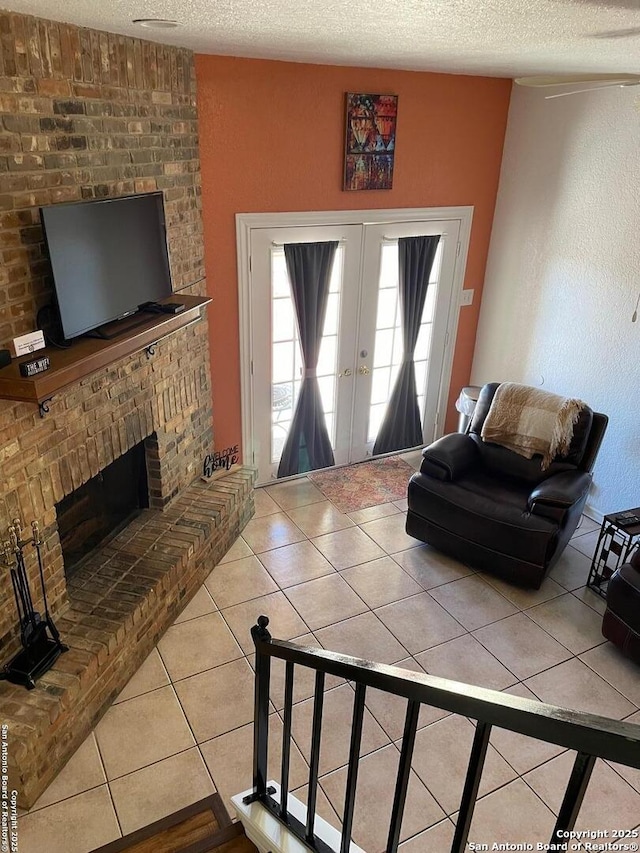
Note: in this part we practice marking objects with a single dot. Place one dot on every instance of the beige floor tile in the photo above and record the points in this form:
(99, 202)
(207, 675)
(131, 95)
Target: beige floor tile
(631, 774)
(390, 711)
(362, 636)
(464, 659)
(390, 534)
(238, 550)
(142, 731)
(295, 493)
(264, 503)
(83, 771)
(587, 543)
(271, 531)
(570, 622)
(150, 676)
(295, 564)
(403, 505)
(304, 678)
(573, 685)
(521, 645)
(200, 605)
(586, 525)
(380, 582)
(325, 600)
(160, 790)
(336, 728)
(218, 700)
(229, 758)
(413, 458)
(520, 596)
(609, 803)
(616, 669)
(419, 622)
(348, 547)
(473, 602)
(240, 580)
(197, 645)
(284, 622)
(591, 599)
(429, 567)
(523, 753)
(318, 518)
(436, 839)
(572, 569)
(510, 815)
(441, 757)
(324, 809)
(370, 513)
(77, 825)
(374, 800)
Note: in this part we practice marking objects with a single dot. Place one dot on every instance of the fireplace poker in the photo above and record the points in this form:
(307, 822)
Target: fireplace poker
(37, 542)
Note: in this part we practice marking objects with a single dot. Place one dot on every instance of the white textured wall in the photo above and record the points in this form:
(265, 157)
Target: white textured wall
(563, 273)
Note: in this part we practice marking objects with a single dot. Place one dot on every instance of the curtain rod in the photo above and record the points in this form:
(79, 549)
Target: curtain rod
(344, 240)
(282, 245)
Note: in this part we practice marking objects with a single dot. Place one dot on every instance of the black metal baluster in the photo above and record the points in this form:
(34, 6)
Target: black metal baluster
(260, 634)
(314, 759)
(352, 773)
(402, 779)
(286, 739)
(574, 794)
(471, 785)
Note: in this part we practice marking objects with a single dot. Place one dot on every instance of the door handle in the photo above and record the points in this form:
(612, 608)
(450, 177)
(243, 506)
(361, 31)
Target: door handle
(346, 372)
(363, 370)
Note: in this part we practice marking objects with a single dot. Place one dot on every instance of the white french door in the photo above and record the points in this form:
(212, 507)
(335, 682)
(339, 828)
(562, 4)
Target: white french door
(362, 343)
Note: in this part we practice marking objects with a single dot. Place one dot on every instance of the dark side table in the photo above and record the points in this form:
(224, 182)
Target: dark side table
(616, 543)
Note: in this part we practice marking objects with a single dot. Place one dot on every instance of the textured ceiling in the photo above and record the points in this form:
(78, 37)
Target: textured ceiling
(494, 37)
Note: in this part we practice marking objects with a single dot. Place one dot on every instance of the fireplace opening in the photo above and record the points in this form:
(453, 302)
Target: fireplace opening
(94, 513)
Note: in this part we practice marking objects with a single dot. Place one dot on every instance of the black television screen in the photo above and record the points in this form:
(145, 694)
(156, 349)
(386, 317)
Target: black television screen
(108, 257)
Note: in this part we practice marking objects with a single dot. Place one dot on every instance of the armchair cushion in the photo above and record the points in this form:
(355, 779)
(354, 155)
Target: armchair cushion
(449, 457)
(555, 495)
(491, 514)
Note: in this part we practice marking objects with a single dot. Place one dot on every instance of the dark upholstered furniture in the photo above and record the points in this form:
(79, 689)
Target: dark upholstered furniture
(621, 623)
(495, 510)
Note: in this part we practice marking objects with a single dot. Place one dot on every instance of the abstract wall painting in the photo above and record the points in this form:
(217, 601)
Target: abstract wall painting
(370, 141)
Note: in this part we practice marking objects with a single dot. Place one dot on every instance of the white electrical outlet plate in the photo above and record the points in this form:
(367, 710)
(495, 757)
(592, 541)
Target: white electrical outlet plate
(467, 297)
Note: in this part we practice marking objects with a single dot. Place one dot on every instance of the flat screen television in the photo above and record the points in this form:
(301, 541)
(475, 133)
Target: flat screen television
(108, 257)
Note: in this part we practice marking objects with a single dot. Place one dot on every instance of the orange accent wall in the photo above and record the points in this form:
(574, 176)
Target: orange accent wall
(272, 139)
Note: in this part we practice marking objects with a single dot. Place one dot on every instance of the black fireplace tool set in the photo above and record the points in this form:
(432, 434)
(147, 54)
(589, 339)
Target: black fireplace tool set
(41, 644)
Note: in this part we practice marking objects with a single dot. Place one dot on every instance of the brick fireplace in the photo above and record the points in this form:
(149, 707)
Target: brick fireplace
(88, 114)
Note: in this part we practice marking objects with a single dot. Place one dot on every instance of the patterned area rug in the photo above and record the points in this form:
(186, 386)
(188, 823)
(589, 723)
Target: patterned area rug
(365, 484)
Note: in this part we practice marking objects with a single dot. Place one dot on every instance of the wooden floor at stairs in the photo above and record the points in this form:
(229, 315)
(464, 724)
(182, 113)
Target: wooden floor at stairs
(204, 827)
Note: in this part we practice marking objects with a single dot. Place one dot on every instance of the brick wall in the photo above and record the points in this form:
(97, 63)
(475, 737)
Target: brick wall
(85, 114)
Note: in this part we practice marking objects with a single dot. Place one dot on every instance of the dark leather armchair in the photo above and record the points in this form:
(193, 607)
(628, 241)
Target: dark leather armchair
(495, 510)
(621, 623)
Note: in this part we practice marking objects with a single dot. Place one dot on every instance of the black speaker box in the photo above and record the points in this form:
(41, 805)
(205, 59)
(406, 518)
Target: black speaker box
(5, 357)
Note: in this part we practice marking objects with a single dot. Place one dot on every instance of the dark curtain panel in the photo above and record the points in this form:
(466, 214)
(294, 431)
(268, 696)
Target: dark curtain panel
(401, 427)
(309, 268)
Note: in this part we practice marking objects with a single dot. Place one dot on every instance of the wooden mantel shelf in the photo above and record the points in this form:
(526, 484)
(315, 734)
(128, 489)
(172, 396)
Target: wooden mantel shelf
(87, 355)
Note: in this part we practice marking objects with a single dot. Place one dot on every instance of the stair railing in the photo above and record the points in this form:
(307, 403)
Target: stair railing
(591, 736)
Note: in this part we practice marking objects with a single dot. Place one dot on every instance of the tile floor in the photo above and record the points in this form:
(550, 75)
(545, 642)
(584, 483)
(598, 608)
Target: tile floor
(353, 583)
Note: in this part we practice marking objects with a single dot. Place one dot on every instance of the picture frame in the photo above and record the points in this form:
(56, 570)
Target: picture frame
(370, 141)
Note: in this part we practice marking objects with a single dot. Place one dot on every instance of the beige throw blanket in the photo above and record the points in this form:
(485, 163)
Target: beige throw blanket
(530, 421)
